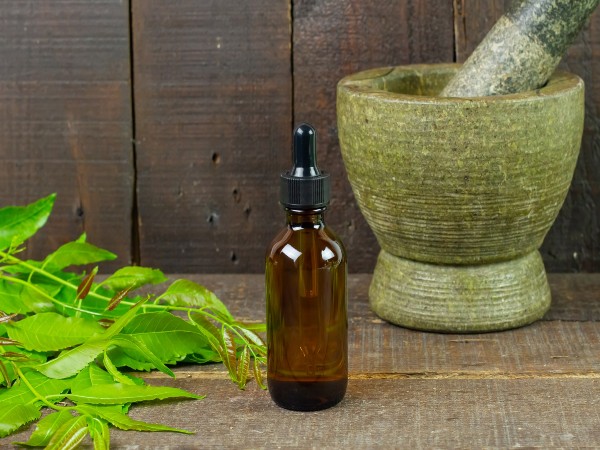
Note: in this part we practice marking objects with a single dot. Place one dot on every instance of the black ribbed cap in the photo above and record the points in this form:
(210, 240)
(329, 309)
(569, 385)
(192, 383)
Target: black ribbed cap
(305, 186)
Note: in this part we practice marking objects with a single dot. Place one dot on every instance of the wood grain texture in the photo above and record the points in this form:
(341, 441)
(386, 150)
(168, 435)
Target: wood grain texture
(382, 413)
(334, 38)
(566, 342)
(393, 413)
(65, 118)
(573, 243)
(213, 126)
(537, 386)
(472, 21)
(575, 297)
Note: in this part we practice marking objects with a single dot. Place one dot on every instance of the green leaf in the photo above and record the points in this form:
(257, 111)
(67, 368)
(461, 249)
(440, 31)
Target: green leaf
(20, 357)
(212, 333)
(243, 368)
(228, 340)
(258, 374)
(170, 337)
(190, 294)
(99, 432)
(70, 362)
(20, 405)
(255, 339)
(206, 327)
(69, 435)
(131, 342)
(10, 298)
(96, 306)
(51, 331)
(133, 277)
(116, 394)
(120, 358)
(123, 421)
(45, 386)
(46, 428)
(92, 375)
(19, 223)
(14, 415)
(32, 296)
(114, 372)
(18, 354)
(76, 254)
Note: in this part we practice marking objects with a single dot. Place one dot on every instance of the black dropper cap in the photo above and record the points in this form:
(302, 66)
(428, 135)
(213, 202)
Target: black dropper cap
(305, 186)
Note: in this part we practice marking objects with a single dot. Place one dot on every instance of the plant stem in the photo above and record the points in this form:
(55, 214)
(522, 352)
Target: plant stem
(36, 393)
(47, 274)
(46, 295)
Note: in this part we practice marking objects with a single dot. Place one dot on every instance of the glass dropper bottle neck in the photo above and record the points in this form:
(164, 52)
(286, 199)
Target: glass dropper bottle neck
(297, 217)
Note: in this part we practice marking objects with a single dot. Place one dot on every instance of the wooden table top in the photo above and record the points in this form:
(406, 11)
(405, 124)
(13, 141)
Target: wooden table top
(534, 386)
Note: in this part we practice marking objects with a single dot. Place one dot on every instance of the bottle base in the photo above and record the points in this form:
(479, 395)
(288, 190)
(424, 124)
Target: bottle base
(307, 395)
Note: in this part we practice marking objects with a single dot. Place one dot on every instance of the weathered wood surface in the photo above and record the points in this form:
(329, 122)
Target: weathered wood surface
(537, 386)
(573, 243)
(218, 86)
(213, 130)
(334, 38)
(65, 118)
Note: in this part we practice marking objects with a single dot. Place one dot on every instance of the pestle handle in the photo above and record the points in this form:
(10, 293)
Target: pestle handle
(523, 48)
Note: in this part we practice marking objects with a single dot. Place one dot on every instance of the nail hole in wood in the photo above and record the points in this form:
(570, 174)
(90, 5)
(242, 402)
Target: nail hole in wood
(212, 218)
(216, 158)
(236, 195)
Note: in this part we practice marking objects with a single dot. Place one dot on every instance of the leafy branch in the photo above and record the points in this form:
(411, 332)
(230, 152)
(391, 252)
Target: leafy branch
(64, 336)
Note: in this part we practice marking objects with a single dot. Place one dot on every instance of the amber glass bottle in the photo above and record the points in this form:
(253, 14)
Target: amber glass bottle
(307, 328)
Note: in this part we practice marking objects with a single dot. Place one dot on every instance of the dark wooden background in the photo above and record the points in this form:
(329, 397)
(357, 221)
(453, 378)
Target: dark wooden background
(163, 125)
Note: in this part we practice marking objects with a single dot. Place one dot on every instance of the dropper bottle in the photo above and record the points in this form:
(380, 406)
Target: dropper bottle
(306, 293)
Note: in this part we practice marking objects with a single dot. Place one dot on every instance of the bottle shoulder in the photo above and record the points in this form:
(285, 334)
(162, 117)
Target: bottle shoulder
(302, 246)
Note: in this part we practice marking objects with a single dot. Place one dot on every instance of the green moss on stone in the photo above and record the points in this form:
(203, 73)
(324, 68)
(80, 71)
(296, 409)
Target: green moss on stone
(461, 299)
(471, 186)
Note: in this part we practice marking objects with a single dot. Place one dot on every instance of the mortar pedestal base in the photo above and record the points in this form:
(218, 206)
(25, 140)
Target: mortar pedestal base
(460, 299)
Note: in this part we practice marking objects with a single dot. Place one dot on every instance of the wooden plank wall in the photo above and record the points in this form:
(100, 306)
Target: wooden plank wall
(213, 116)
(65, 117)
(177, 166)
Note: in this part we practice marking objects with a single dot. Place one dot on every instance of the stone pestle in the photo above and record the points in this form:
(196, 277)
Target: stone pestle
(523, 48)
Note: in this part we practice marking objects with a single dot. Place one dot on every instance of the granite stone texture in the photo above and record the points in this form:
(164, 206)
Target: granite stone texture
(462, 182)
(523, 48)
(460, 299)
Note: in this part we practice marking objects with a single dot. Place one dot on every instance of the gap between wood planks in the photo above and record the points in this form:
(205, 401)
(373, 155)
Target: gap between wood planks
(491, 375)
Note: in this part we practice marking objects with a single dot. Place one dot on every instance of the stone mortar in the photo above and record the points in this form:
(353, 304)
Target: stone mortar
(468, 183)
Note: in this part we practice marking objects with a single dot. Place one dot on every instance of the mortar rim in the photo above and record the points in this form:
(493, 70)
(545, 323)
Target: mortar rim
(560, 84)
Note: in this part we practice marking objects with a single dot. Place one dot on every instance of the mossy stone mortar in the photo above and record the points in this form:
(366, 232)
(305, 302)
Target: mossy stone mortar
(464, 182)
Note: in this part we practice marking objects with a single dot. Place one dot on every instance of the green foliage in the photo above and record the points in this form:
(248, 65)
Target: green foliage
(134, 277)
(14, 415)
(76, 254)
(46, 428)
(51, 331)
(117, 393)
(69, 435)
(65, 336)
(19, 223)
